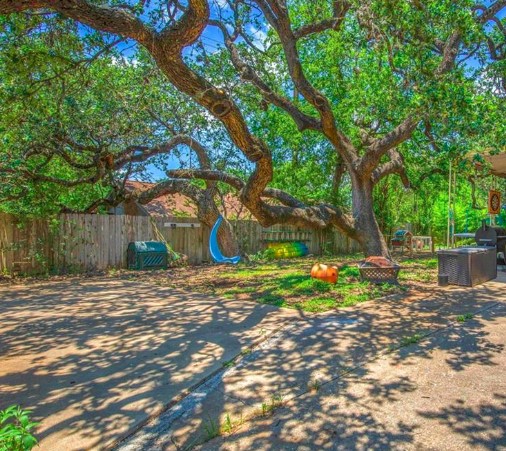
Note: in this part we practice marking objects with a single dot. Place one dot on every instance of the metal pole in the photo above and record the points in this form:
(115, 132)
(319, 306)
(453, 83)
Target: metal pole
(449, 205)
(454, 195)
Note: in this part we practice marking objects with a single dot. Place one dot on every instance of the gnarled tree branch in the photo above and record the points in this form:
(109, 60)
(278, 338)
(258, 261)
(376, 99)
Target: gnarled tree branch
(395, 165)
(292, 210)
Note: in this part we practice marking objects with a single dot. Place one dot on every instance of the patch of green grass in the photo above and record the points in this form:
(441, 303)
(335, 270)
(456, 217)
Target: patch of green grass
(287, 283)
(239, 290)
(316, 305)
(417, 276)
(287, 291)
(299, 284)
(349, 271)
(272, 299)
(247, 273)
(355, 293)
(428, 263)
(313, 286)
(352, 299)
(418, 270)
(465, 317)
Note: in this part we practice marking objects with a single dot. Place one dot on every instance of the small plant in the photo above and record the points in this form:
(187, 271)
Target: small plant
(16, 429)
(315, 385)
(261, 256)
(465, 317)
(229, 425)
(212, 428)
(276, 401)
(246, 351)
(112, 272)
(413, 339)
(228, 363)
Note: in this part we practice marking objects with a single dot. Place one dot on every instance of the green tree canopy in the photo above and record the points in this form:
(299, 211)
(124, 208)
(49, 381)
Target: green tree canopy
(311, 104)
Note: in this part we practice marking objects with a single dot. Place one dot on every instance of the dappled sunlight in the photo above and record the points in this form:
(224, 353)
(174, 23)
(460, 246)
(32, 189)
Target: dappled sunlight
(353, 370)
(482, 425)
(93, 358)
(387, 403)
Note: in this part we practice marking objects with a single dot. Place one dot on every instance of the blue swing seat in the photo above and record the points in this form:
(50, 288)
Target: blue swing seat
(214, 249)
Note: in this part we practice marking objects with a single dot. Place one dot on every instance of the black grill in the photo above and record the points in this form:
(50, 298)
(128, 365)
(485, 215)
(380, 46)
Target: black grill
(491, 236)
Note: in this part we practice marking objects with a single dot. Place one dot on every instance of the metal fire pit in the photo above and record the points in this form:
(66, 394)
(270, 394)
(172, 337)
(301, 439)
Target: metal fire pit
(468, 266)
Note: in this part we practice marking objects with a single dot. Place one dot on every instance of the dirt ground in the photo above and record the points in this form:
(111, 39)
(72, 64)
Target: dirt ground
(282, 283)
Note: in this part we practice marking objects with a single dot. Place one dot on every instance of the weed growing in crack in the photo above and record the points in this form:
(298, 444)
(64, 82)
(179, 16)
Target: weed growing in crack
(276, 401)
(465, 317)
(212, 428)
(413, 339)
(228, 426)
(315, 385)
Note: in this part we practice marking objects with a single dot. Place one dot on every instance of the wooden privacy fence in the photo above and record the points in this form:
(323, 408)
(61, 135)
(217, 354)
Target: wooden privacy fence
(78, 242)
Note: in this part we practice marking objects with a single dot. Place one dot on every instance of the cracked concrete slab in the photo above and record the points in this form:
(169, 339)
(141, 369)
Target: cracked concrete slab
(311, 352)
(96, 358)
(446, 392)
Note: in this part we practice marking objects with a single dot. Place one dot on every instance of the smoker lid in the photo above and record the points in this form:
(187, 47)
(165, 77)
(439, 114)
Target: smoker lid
(486, 235)
(466, 250)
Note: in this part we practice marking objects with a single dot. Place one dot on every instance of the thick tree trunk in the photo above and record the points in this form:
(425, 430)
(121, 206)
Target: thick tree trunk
(368, 233)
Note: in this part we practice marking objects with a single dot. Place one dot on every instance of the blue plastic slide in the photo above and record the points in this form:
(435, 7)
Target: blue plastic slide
(216, 254)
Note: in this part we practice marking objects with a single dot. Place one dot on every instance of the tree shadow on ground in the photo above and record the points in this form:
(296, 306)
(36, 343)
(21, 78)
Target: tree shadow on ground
(116, 351)
(93, 359)
(355, 407)
(483, 425)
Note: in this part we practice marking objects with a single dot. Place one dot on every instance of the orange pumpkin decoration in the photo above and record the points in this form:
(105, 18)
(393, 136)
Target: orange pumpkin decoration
(325, 272)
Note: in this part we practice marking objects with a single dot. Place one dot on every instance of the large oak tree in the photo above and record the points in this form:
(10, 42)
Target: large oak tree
(356, 79)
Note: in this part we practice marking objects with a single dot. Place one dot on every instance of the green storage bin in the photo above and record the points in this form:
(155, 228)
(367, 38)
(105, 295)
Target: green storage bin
(147, 255)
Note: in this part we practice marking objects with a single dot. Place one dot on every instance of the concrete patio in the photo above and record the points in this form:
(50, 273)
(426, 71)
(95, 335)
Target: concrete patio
(351, 379)
(94, 359)
(448, 392)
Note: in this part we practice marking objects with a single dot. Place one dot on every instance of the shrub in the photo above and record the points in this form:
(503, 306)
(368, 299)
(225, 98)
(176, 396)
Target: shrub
(15, 430)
